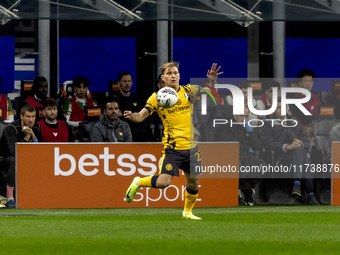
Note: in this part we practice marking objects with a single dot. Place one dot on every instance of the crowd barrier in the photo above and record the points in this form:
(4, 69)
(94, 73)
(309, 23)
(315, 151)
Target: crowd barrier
(96, 175)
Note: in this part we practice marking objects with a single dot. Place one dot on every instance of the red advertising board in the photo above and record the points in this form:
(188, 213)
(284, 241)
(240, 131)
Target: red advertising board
(335, 174)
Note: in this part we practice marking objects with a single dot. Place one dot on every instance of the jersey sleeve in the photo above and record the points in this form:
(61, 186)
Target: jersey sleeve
(151, 103)
(195, 91)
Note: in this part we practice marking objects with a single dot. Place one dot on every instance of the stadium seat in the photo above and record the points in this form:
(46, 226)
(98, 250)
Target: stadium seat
(85, 130)
(92, 113)
(26, 88)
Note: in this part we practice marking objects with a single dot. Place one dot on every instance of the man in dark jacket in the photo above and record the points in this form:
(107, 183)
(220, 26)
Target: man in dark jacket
(132, 101)
(290, 145)
(110, 128)
(21, 130)
(249, 144)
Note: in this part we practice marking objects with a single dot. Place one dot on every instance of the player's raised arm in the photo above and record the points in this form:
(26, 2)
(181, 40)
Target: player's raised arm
(213, 73)
(136, 116)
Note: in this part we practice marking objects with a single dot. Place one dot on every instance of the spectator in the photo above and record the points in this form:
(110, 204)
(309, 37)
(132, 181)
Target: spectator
(294, 85)
(334, 135)
(53, 130)
(290, 146)
(249, 145)
(131, 101)
(265, 102)
(305, 80)
(21, 130)
(39, 96)
(127, 98)
(244, 87)
(39, 90)
(110, 128)
(6, 105)
(74, 108)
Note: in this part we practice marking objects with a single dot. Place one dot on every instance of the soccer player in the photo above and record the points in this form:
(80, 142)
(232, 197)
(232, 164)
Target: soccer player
(179, 147)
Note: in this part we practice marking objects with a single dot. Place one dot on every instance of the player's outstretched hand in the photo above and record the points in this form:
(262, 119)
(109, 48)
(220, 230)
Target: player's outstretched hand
(128, 115)
(213, 73)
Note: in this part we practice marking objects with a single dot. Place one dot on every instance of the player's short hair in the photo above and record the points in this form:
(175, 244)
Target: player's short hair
(121, 74)
(27, 108)
(50, 102)
(305, 72)
(80, 79)
(168, 65)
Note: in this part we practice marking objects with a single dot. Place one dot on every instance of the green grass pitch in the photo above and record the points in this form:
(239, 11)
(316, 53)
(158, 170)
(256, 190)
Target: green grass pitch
(239, 230)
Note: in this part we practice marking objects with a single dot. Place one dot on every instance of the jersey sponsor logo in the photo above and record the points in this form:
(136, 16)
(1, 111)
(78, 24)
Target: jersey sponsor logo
(179, 109)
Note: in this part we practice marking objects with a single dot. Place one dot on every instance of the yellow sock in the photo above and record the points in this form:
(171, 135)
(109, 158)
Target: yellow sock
(145, 182)
(190, 201)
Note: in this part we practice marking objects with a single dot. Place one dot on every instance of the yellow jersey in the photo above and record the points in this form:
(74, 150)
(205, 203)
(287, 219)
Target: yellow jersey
(178, 127)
